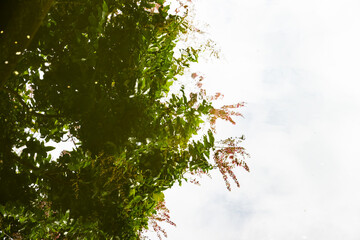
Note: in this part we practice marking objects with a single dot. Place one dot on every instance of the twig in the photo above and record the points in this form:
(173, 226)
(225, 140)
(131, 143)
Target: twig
(29, 110)
(58, 2)
(6, 234)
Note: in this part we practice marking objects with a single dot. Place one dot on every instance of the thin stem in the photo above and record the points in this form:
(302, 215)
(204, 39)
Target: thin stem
(29, 110)
(68, 2)
(6, 234)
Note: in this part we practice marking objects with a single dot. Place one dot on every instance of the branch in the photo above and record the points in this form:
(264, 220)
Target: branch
(67, 2)
(36, 170)
(29, 110)
(25, 164)
(2, 230)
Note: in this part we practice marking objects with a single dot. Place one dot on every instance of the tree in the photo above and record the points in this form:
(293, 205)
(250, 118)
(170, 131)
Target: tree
(100, 73)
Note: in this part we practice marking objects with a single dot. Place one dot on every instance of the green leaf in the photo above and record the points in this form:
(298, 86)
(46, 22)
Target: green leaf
(105, 7)
(158, 197)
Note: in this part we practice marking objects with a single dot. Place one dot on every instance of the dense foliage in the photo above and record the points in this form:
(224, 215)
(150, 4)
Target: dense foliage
(99, 72)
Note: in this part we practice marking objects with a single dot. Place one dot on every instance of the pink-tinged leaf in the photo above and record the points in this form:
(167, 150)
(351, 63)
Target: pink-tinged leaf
(226, 159)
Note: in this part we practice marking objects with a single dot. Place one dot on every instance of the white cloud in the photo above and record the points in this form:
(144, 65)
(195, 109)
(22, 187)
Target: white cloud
(296, 65)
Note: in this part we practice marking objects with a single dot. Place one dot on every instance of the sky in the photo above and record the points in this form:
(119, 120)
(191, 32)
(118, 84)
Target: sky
(296, 65)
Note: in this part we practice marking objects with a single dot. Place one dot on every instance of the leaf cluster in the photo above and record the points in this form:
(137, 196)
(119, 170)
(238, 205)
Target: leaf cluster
(99, 71)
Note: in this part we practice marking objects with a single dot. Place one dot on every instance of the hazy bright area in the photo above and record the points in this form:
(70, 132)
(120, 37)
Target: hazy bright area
(295, 63)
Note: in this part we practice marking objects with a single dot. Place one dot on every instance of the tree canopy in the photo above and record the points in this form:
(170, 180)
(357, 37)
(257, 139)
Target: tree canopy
(99, 73)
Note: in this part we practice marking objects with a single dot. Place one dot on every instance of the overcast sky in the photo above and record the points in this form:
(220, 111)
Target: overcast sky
(296, 64)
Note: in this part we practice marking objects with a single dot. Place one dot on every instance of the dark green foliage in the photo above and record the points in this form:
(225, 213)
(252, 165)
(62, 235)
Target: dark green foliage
(98, 71)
